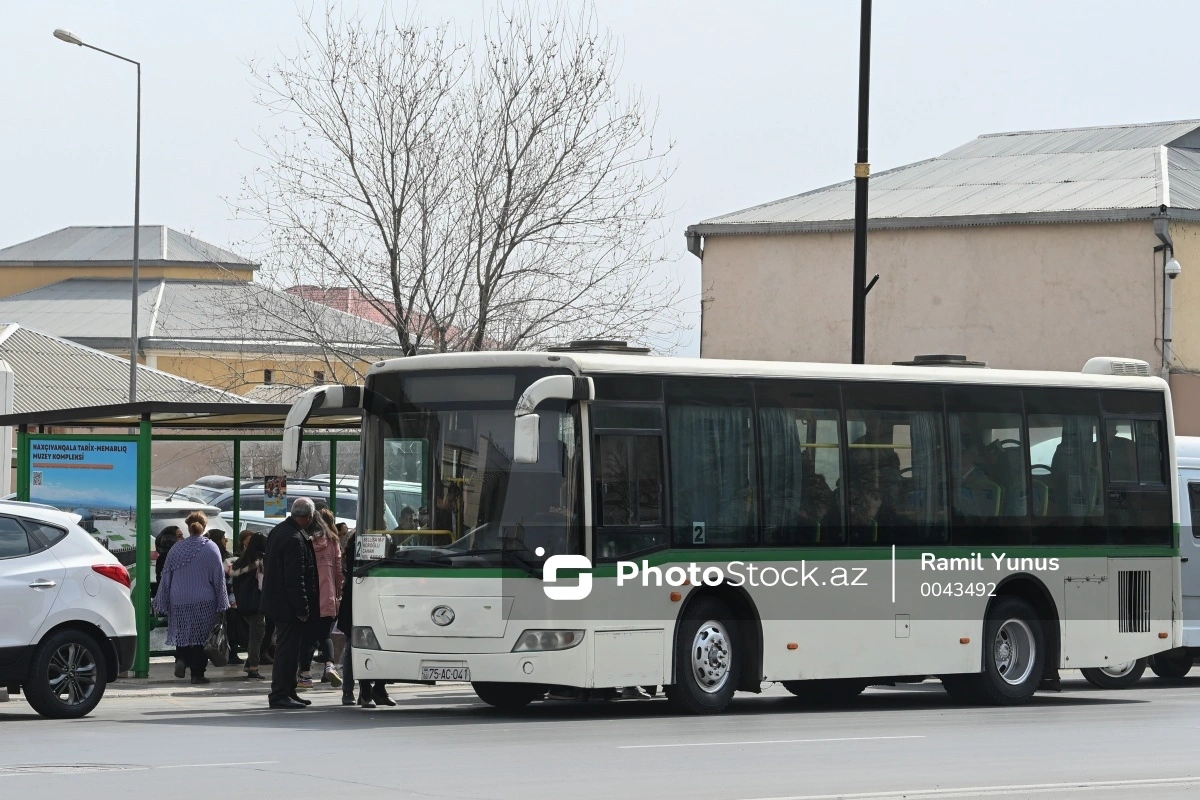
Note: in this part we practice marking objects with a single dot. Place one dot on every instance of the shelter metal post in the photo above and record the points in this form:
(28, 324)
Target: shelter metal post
(23, 463)
(141, 661)
(237, 490)
(333, 477)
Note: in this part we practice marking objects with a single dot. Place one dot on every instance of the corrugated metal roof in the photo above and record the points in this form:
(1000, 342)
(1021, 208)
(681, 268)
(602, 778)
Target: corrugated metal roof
(82, 244)
(95, 310)
(52, 373)
(1079, 171)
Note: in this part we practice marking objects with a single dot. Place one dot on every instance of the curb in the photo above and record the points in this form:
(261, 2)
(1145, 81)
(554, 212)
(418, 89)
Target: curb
(235, 688)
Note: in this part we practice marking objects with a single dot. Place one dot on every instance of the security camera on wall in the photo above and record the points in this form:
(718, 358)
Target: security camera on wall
(1172, 269)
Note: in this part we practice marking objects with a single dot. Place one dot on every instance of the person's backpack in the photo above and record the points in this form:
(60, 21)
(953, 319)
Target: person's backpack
(248, 592)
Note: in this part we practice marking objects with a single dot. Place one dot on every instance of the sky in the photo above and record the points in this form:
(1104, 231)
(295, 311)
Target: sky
(759, 96)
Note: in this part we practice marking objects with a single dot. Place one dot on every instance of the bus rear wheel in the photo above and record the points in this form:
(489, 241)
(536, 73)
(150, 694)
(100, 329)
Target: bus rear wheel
(835, 692)
(708, 659)
(508, 696)
(1118, 676)
(1172, 665)
(1013, 657)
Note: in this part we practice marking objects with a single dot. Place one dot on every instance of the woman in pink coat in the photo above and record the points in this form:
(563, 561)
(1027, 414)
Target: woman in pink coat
(329, 593)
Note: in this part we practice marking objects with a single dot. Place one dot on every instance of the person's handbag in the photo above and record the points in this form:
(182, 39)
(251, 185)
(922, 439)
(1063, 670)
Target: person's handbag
(217, 646)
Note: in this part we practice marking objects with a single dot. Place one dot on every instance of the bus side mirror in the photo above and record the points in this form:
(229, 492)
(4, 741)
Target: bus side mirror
(527, 439)
(291, 448)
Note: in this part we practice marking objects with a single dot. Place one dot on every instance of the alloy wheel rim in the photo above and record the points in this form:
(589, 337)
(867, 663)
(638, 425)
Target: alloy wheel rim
(712, 655)
(1014, 651)
(72, 674)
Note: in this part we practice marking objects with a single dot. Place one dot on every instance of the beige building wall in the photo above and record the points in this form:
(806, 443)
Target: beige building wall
(236, 373)
(1016, 296)
(14, 280)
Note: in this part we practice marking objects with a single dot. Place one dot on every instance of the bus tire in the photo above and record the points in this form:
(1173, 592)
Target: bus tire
(1172, 665)
(834, 692)
(708, 659)
(508, 696)
(1118, 676)
(1014, 653)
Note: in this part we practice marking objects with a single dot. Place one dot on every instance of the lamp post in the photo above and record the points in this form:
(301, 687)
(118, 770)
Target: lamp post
(70, 38)
(862, 172)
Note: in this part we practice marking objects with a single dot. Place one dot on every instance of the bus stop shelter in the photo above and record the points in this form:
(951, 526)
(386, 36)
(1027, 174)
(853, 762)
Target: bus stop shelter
(111, 446)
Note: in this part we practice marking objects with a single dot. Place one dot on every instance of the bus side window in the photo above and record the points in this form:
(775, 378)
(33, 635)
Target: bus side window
(1194, 504)
(629, 492)
(895, 488)
(714, 487)
(800, 461)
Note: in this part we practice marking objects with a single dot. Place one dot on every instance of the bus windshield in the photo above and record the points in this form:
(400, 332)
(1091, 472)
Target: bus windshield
(442, 483)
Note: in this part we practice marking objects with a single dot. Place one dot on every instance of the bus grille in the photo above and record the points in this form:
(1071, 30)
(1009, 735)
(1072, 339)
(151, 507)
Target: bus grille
(1133, 599)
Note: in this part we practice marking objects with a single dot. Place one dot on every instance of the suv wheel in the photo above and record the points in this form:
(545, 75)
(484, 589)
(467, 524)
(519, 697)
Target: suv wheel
(67, 676)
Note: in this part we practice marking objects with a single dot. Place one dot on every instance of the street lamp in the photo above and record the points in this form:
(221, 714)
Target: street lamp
(70, 38)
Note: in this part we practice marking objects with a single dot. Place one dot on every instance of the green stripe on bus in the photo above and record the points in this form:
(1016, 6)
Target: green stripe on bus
(764, 555)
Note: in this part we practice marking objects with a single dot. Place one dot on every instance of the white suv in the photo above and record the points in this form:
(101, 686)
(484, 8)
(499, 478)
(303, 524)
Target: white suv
(67, 625)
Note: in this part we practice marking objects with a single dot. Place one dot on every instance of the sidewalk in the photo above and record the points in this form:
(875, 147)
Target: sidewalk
(229, 680)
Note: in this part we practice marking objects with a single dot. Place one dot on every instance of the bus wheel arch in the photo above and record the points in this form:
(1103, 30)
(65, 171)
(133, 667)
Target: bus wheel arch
(1033, 591)
(750, 630)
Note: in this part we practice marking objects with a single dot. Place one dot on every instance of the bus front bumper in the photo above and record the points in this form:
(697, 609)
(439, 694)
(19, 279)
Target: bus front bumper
(552, 668)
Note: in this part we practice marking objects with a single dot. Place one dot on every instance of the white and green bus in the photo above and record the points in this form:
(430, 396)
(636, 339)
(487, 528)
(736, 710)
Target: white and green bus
(594, 520)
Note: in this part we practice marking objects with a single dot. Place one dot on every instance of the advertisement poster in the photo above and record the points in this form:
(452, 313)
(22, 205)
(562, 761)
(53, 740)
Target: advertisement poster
(96, 479)
(275, 496)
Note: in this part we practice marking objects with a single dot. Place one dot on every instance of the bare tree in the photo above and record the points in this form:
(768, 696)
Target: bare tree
(502, 193)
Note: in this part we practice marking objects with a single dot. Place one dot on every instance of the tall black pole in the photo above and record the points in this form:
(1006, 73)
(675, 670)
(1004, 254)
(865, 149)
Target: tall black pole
(862, 172)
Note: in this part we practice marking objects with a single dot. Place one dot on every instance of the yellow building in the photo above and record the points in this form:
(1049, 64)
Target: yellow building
(201, 316)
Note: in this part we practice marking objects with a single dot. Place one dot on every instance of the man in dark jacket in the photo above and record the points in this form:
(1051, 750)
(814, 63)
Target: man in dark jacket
(289, 597)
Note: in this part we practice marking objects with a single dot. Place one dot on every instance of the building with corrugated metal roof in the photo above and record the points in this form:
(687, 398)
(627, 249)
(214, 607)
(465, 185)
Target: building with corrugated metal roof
(1027, 250)
(200, 314)
(106, 251)
(52, 373)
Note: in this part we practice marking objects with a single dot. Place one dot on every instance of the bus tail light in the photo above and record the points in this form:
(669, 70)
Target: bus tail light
(362, 637)
(532, 641)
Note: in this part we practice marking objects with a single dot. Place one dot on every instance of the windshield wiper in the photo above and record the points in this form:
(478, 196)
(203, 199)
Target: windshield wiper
(506, 553)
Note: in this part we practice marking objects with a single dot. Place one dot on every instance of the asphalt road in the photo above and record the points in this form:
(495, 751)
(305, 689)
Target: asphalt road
(442, 743)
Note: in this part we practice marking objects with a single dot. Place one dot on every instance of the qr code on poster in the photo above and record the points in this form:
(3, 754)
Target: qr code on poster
(37, 478)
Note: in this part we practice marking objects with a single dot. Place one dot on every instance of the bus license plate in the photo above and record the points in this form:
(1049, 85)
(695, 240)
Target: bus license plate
(446, 674)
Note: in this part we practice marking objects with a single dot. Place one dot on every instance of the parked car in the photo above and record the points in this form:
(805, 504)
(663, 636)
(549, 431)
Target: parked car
(69, 624)
(164, 512)
(253, 499)
(258, 522)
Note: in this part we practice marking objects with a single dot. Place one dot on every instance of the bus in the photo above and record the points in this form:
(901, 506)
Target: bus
(592, 521)
(1174, 664)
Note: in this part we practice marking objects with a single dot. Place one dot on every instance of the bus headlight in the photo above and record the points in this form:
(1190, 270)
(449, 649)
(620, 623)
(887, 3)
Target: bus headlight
(543, 640)
(362, 637)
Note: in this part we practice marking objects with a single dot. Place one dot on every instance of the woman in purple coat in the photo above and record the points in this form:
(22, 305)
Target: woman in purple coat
(192, 596)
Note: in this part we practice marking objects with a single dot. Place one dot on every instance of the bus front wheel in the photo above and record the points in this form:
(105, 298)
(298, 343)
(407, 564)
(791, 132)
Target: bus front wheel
(508, 696)
(708, 659)
(1118, 676)
(1172, 665)
(1013, 657)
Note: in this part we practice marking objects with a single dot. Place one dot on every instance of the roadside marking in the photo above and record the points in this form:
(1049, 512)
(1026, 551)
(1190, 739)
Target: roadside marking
(222, 764)
(769, 741)
(87, 769)
(994, 791)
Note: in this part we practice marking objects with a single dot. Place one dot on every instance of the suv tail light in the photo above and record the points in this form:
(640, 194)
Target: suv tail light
(114, 572)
